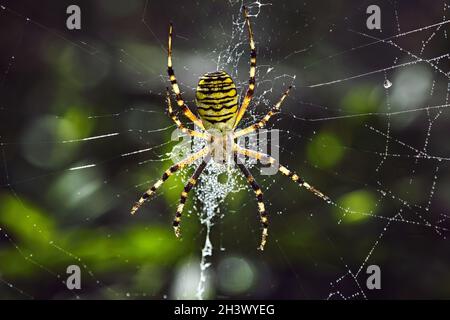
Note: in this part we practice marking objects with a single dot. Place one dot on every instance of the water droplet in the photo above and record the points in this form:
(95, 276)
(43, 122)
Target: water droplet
(387, 84)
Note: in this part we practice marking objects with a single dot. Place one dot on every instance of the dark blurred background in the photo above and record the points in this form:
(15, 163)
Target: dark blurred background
(374, 141)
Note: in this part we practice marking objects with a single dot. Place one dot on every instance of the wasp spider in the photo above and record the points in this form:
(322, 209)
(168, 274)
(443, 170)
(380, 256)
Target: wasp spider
(220, 113)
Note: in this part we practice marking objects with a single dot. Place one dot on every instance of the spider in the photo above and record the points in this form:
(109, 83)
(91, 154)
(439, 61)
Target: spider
(220, 113)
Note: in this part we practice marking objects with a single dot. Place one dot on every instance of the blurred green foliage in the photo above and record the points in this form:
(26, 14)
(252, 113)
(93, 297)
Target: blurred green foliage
(362, 99)
(28, 227)
(325, 150)
(359, 203)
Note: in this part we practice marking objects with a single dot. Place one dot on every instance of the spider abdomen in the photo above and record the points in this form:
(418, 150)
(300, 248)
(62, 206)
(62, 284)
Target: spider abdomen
(217, 100)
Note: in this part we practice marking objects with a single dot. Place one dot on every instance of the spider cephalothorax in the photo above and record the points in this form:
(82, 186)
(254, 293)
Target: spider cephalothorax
(220, 113)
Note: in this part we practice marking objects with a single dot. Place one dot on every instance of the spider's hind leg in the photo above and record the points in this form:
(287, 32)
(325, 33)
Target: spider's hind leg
(284, 171)
(166, 175)
(261, 208)
(184, 194)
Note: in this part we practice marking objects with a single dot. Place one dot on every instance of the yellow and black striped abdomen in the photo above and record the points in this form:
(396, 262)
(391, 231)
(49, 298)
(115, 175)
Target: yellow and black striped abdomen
(217, 100)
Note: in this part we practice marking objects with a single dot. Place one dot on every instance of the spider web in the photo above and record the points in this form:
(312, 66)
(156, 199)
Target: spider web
(84, 132)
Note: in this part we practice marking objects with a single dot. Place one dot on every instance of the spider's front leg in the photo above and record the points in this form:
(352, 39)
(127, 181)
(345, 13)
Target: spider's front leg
(176, 89)
(166, 175)
(251, 82)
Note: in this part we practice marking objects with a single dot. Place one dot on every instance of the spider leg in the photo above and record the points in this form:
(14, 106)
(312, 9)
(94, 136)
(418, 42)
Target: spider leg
(176, 89)
(251, 82)
(285, 171)
(184, 194)
(166, 175)
(261, 208)
(173, 116)
(263, 121)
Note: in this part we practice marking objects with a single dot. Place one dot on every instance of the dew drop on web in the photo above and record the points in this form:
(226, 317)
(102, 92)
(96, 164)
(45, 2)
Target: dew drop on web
(387, 84)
